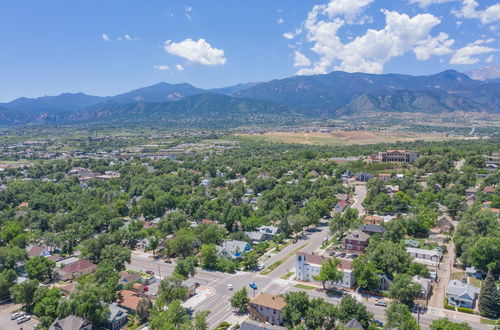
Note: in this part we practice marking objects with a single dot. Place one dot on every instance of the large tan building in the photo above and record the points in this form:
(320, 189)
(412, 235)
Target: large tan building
(399, 156)
(267, 307)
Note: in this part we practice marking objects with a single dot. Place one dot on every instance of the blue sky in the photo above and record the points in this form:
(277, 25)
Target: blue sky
(112, 46)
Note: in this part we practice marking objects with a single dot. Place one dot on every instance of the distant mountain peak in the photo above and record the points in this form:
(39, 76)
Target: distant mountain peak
(486, 73)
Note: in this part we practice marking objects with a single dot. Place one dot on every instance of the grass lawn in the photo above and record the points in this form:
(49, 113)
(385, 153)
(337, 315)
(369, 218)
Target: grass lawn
(304, 287)
(488, 321)
(286, 276)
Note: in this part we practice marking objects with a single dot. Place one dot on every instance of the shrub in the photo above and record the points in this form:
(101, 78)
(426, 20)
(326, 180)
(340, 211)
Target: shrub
(465, 310)
(450, 307)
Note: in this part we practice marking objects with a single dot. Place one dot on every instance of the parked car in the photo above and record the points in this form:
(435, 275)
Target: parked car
(17, 315)
(168, 261)
(354, 255)
(23, 319)
(151, 280)
(229, 286)
(379, 323)
(260, 267)
(381, 303)
(150, 272)
(145, 288)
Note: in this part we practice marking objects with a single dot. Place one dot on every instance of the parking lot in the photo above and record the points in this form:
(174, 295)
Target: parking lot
(7, 324)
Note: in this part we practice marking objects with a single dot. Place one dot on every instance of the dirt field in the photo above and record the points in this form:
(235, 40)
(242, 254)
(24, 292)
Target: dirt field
(345, 137)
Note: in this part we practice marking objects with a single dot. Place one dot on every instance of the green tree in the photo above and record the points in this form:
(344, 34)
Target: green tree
(11, 255)
(349, 308)
(250, 260)
(118, 255)
(365, 273)
(143, 308)
(329, 272)
(186, 267)
(200, 320)
(183, 243)
(484, 253)
(173, 317)
(295, 308)
(7, 279)
(399, 317)
(240, 300)
(39, 268)
(46, 302)
(445, 324)
(404, 290)
(489, 298)
(171, 289)
(24, 293)
(86, 302)
(388, 256)
(209, 256)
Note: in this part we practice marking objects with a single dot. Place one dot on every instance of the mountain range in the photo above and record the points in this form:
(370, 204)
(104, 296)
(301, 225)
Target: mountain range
(295, 98)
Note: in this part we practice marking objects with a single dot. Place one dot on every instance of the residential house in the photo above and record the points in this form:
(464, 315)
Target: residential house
(253, 325)
(342, 197)
(346, 175)
(445, 223)
(412, 243)
(38, 251)
(233, 249)
(473, 272)
(373, 220)
(76, 269)
(461, 294)
(269, 231)
(308, 266)
(400, 156)
(129, 299)
(255, 237)
(490, 190)
(372, 229)
(340, 206)
(117, 317)
(384, 176)
(71, 322)
(267, 307)
(126, 278)
(471, 192)
(362, 176)
(354, 324)
(385, 281)
(423, 256)
(356, 241)
(425, 286)
(206, 182)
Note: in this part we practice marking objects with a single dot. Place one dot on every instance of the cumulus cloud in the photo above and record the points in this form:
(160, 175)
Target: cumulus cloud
(197, 52)
(440, 45)
(371, 51)
(425, 3)
(300, 60)
(161, 67)
(179, 67)
(281, 20)
(105, 37)
(490, 59)
(349, 9)
(469, 10)
(467, 54)
(291, 35)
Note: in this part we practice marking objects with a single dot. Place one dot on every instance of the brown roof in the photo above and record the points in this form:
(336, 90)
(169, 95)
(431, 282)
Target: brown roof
(372, 219)
(489, 189)
(312, 258)
(129, 299)
(269, 300)
(345, 264)
(491, 209)
(77, 266)
(69, 288)
(36, 250)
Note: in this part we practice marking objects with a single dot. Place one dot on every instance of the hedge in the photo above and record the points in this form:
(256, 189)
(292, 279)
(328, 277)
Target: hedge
(465, 310)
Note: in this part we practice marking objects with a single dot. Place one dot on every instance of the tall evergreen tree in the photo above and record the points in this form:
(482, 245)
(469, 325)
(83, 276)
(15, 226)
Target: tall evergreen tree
(489, 299)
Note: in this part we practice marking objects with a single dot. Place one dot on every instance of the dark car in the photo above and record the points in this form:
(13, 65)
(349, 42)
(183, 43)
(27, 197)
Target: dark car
(379, 323)
(150, 272)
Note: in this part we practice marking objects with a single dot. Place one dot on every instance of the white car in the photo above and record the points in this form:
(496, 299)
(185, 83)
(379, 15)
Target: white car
(230, 286)
(17, 315)
(23, 319)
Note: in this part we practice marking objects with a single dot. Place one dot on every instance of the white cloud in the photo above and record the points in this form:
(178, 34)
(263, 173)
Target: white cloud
(490, 59)
(198, 52)
(489, 15)
(187, 12)
(467, 54)
(440, 45)
(291, 35)
(127, 37)
(161, 67)
(105, 37)
(300, 60)
(281, 20)
(371, 51)
(350, 9)
(425, 3)
(179, 67)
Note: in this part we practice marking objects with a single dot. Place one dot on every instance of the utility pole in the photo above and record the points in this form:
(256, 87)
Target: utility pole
(159, 271)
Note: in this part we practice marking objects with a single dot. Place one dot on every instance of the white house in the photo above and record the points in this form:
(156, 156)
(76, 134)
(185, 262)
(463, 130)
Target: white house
(309, 265)
(233, 249)
(461, 294)
(423, 255)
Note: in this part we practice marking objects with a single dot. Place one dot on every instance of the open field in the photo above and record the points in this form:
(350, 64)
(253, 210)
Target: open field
(348, 137)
